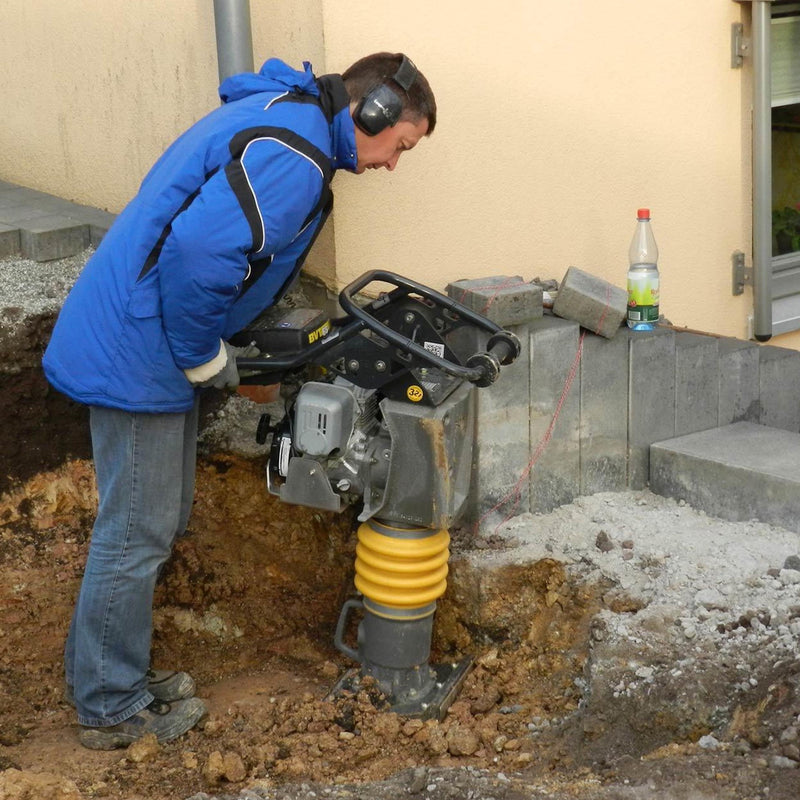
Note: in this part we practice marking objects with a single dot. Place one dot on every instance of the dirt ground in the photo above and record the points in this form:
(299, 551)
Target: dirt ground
(552, 708)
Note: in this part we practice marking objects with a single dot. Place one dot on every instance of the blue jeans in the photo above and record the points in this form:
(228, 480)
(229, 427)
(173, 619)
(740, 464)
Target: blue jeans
(145, 466)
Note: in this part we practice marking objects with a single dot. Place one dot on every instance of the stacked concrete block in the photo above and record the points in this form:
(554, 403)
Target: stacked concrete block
(555, 403)
(592, 302)
(604, 414)
(738, 381)
(696, 383)
(651, 397)
(779, 387)
(502, 441)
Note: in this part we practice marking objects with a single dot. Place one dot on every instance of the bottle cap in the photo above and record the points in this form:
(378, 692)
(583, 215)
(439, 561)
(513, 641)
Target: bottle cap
(643, 213)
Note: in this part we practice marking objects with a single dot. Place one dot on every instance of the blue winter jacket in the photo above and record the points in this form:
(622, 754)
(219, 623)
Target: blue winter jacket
(218, 230)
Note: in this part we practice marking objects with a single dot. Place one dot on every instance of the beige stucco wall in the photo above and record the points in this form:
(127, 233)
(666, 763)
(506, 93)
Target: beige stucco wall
(556, 121)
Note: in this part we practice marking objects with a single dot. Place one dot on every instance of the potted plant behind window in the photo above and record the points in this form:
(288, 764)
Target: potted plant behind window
(786, 230)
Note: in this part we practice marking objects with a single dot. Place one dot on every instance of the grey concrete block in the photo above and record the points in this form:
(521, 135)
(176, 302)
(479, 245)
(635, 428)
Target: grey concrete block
(502, 444)
(651, 397)
(739, 472)
(594, 303)
(554, 413)
(9, 241)
(779, 387)
(48, 238)
(738, 381)
(696, 382)
(506, 301)
(22, 214)
(604, 414)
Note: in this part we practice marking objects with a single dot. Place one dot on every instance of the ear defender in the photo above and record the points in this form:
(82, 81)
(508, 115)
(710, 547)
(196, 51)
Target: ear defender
(381, 106)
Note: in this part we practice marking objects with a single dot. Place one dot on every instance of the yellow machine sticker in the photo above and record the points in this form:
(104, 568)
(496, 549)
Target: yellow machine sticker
(414, 393)
(319, 333)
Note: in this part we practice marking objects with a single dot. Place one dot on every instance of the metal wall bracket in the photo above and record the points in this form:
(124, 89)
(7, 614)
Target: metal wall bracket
(740, 45)
(742, 275)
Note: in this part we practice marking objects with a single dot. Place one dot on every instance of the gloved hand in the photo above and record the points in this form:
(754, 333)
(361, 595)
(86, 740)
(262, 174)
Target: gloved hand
(228, 375)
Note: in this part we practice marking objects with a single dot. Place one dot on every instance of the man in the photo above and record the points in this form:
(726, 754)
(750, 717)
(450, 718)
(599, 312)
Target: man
(217, 232)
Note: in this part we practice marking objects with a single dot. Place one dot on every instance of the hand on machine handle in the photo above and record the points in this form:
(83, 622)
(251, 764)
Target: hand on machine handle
(227, 376)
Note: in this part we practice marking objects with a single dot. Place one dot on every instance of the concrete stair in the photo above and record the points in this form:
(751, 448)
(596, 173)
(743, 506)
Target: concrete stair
(737, 472)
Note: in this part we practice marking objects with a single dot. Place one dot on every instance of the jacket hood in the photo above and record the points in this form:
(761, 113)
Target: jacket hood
(274, 76)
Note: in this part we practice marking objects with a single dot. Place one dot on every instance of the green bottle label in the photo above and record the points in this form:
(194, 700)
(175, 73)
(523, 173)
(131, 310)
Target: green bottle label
(643, 296)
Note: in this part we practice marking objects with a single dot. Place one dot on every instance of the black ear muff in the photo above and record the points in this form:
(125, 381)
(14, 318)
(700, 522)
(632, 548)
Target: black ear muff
(381, 106)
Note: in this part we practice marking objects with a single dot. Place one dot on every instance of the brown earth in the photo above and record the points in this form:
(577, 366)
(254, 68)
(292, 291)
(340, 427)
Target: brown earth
(248, 604)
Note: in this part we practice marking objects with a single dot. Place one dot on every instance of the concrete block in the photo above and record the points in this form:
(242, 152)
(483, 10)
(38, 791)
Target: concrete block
(738, 472)
(592, 302)
(651, 397)
(696, 382)
(506, 301)
(22, 214)
(9, 241)
(738, 381)
(779, 387)
(604, 414)
(554, 413)
(99, 221)
(502, 443)
(48, 238)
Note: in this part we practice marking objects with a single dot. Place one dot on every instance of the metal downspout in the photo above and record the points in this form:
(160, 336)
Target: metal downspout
(762, 171)
(234, 37)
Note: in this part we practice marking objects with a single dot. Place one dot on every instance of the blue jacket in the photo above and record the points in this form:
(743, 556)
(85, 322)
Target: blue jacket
(217, 232)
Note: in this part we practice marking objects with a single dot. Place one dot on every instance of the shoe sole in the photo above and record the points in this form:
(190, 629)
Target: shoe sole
(98, 739)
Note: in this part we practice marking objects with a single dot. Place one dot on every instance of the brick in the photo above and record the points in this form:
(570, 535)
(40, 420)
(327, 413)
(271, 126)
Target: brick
(594, 303)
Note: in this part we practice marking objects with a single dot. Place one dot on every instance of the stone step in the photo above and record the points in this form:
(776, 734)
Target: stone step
(737, 472)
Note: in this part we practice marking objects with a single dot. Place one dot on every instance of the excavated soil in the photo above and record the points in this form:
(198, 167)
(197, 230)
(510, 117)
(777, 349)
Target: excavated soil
(248, 604)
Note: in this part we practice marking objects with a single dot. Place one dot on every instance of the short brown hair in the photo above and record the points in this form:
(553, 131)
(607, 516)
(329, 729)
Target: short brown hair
(371, 71)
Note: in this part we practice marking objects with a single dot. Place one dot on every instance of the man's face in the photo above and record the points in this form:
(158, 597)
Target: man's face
(384, 149)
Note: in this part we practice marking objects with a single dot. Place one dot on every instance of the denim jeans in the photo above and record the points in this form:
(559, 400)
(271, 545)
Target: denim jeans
(145, 466)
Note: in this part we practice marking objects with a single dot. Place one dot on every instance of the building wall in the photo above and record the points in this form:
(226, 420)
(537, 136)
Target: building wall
(556, 122)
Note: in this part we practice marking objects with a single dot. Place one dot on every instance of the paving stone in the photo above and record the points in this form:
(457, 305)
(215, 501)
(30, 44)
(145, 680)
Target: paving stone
(9, 241)
(738, 472)
(594, 303)
(50, 237)
(505, 300)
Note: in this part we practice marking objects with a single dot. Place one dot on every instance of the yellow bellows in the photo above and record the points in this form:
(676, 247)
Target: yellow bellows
(401, 571)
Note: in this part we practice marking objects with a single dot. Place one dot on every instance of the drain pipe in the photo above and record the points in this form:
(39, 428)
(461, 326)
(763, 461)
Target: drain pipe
(234, 37)
(762, 170)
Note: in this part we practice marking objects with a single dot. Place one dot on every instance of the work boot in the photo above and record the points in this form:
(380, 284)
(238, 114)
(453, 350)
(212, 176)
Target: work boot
(167, 721)
(163, 684)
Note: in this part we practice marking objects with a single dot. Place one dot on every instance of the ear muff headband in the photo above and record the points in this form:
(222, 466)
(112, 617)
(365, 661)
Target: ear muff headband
(381, 106)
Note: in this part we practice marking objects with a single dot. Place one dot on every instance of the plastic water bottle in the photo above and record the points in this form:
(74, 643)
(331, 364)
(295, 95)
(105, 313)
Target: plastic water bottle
(643, 276)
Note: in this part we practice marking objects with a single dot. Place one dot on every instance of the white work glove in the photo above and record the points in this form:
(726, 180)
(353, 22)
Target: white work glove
(221, 372)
